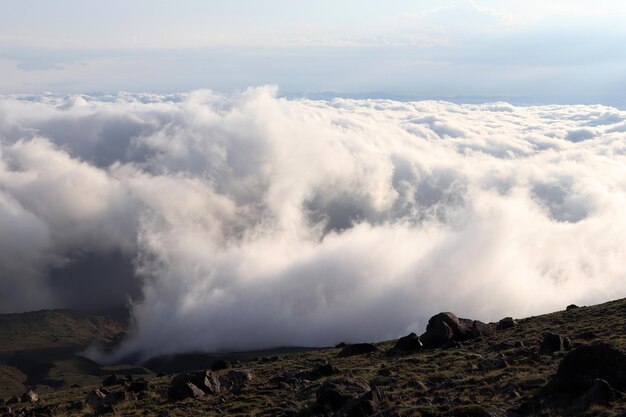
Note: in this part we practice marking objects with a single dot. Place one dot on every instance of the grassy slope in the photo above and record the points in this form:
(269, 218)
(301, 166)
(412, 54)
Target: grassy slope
(53, 328)
(455, 385)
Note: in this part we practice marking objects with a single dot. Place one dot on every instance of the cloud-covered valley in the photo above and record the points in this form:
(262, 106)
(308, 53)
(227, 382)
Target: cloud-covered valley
(249, 221)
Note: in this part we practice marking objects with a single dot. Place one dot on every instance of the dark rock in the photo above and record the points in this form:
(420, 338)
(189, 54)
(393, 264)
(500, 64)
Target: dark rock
(506, 323)
(220, 365)
(579, 370)
(74, 386)
(588, 335)
(240, 377)
(571, 307)
(95, 399)
(340, 345)
(480, 329)
(207, 381)
(45, 411)
(185, 385)
(409, 343)
(6, 411)
(75, 406)
(111, 381)
(322, 371)
(365, 405)
(180, 390)
(553, 342)
(14, 400)
(106, 409)
(444, 328)
(600, 393)
(139, 385)
(503, 346)
(30, 397)
(357, 349)
(336, 393)
(384, 371)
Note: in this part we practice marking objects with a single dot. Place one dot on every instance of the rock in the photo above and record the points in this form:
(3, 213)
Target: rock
(30, 397)
(14, 400)
(336, 393)
(139, 385)
(503, 346)
(45, 411)
(600, 393)
(588, 335)
(180, 390)
(322, 371)
(111, 380)
(357, 349)
(553, 342)
(6, 410)
(409, 343)
(95, 399)
(365, 405)
(220, 365)
(207, 381)
(444, 328)
(506, 323)
(185, 385)
(106, 409)
(571, 307)
(240, 377)
(340, 345)
(579, 370)
(480, 329)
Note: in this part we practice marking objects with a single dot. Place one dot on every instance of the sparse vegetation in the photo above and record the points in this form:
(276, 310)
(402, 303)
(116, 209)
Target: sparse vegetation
(502, 375)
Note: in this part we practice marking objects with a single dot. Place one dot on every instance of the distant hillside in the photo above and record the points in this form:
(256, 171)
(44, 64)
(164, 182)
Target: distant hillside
(41, 350)
(54, 328)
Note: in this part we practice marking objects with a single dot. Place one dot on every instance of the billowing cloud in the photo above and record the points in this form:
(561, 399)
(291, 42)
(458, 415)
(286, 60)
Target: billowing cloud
(249, 221)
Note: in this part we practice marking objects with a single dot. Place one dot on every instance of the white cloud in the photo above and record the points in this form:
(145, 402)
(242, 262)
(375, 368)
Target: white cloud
(255, 221)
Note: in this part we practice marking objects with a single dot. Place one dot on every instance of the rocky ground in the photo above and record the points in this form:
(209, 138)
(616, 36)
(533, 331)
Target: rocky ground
(567, 363)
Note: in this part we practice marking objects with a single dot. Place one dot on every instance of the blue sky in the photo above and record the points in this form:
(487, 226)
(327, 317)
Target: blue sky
(521, 51)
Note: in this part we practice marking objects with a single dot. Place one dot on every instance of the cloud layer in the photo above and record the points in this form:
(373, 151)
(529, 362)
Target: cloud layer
(248, 221)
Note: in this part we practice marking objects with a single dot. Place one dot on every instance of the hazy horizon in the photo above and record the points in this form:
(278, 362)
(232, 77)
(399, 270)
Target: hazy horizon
(564, 52)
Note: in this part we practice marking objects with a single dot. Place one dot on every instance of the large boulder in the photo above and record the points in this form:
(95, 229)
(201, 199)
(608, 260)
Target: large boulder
(553, 342)
(220, 365)
(579, 370)
(600, 393)
(506, 323)
(95, 399)
(336, 393)
(366, 405)
(180, 390)
(98, 399)
(30, 397)
(357, 349)
(194, 384)
(408, 343)
(444, 328)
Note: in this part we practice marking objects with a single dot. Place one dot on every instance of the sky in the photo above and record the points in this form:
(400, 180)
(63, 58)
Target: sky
(523, 52)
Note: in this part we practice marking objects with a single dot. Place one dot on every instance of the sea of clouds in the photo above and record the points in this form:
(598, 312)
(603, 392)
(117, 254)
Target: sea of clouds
(232, 222)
